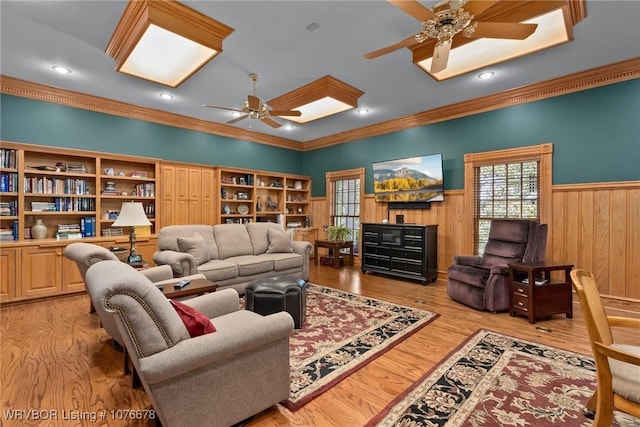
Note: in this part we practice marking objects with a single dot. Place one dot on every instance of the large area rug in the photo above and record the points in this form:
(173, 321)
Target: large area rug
(343, 332)
(498, 380)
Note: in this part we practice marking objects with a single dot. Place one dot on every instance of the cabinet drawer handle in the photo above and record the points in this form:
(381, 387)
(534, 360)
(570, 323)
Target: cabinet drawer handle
(520, 304)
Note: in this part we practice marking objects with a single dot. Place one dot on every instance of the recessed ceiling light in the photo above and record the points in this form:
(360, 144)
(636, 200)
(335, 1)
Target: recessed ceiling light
(60, 69)
(166, 96)
(486, 75)
(288, 127)
(235, 113)
(363, 111)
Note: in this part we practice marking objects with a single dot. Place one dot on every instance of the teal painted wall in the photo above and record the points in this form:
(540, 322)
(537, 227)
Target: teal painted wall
(595, 135)
(34, 122)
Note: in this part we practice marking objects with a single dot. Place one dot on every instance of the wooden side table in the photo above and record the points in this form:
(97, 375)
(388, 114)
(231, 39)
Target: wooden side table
(335, 247)
(538, 295)
(196, 287)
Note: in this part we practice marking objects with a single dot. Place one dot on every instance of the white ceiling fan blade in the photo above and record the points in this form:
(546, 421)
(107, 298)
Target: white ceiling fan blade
(440, 56)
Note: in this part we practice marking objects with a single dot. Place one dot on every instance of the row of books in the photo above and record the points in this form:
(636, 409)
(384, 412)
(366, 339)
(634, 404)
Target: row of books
(9, 208)
(46, 185)
(8, 158)
(43, 206)
(9, 182)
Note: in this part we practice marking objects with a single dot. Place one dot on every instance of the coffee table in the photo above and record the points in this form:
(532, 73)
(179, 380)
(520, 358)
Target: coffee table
(196, 287)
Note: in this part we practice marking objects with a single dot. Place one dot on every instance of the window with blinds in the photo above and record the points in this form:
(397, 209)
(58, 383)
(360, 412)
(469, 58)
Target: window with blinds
(345, 209)
(508, 190)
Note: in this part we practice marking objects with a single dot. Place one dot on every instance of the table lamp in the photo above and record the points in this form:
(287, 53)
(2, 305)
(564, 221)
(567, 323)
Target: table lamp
(132, 215)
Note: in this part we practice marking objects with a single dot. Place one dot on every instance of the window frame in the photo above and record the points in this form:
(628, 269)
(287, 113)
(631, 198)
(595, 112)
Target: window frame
(542, 153)
(331, 178)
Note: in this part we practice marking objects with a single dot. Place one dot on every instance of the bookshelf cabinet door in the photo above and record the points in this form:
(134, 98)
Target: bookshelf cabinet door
(41, 271)
(7, 274)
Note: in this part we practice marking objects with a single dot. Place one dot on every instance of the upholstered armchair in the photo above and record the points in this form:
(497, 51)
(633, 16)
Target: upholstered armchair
(87, 254)
(218, 378)
(617, 364)
(482, 282)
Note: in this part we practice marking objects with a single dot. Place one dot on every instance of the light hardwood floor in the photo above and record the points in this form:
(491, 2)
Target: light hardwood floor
(54, 355)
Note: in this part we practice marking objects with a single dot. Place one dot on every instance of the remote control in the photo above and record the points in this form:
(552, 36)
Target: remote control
(181, 284)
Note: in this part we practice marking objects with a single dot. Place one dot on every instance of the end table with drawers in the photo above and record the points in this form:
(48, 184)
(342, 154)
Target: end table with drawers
(536, 292)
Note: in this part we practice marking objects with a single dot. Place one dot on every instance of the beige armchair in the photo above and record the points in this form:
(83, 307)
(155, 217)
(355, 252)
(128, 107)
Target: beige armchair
(216, 379)
(87, 254)
(617, 364)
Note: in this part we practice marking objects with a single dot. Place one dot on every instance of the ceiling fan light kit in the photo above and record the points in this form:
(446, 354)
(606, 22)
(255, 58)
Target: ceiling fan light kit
(254, 108)
(445, 27)
(553, 30)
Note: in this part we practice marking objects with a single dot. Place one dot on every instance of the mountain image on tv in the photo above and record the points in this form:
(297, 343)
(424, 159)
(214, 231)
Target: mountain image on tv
(416, 179)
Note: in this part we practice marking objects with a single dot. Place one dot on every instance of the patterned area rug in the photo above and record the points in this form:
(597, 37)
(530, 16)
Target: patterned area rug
(498, 380)
(343, 332)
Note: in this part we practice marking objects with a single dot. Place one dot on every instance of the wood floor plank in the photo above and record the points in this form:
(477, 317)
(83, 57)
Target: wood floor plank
(54, 355)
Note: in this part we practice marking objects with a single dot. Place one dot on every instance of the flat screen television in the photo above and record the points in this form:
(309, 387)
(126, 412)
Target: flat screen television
(412, 179)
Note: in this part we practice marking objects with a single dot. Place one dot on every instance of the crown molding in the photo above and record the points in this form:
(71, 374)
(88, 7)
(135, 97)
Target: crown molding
(600, 76)
(595, 77)
(26, 89)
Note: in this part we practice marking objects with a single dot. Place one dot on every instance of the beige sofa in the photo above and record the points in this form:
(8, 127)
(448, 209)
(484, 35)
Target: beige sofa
(216, 379)
(232, 255)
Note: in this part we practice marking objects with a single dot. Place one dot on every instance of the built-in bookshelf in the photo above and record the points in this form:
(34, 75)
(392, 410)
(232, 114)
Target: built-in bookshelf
(69, 190)
(248, 195)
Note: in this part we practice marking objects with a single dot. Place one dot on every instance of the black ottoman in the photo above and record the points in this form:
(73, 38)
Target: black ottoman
(275, 294)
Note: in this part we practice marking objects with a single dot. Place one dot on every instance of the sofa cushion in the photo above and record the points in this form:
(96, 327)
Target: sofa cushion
(280, 241)
(218, 269)
(258, 232)
(232, 240)
(196, 323)
(285, 260)
(168, 237)
(249, 265)
(196, 247)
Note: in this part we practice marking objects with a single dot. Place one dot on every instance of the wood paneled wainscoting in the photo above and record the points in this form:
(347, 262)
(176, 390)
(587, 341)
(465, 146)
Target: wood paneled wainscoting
(594, 226)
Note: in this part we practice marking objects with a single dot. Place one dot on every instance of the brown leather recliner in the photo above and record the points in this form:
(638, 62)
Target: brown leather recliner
(482, 282)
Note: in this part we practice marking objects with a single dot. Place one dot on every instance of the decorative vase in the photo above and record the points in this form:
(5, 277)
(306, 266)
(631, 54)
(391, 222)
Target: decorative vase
(39, 230)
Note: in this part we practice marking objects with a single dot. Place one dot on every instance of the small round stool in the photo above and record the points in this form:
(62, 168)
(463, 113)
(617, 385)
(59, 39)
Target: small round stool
(273, 294)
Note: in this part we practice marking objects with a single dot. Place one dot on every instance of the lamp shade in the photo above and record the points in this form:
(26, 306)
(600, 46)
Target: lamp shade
(131, 215)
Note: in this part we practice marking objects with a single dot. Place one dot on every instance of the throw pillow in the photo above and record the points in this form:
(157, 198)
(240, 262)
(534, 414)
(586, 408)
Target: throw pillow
(196, 323)
(194, 246)
(280, 241)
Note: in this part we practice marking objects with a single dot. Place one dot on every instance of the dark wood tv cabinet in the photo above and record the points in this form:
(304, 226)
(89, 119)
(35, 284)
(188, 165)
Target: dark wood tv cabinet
(408, 251)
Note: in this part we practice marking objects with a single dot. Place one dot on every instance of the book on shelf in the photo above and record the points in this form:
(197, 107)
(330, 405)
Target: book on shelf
(88, 226)
(6, 233)
(76, 168)
(68, 236)
(139, 174)
(8, 158)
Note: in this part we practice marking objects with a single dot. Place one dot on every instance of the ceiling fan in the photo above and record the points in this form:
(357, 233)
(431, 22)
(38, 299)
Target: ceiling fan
(256, 109)
(449, 19)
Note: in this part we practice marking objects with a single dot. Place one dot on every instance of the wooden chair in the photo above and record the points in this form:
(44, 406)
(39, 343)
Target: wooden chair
(617, 365)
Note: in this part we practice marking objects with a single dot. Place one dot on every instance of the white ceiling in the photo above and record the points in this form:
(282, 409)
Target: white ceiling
(271, 39)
